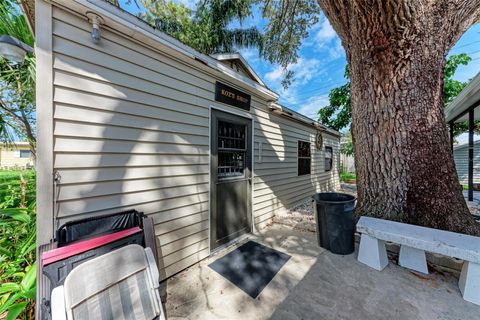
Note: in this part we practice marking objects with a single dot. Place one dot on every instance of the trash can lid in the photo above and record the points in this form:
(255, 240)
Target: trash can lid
(333, 197)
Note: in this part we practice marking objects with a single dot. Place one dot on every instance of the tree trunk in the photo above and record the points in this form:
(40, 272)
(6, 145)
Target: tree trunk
(396, 53)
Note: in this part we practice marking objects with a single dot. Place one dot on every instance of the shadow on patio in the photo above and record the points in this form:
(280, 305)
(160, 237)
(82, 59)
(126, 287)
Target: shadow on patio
(316, 284)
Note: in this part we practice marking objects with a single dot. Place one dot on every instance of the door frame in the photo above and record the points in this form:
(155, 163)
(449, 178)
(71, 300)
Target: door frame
(252, 133)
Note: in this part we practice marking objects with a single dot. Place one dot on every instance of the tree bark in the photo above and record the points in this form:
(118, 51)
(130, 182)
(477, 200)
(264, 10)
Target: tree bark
(396, 52)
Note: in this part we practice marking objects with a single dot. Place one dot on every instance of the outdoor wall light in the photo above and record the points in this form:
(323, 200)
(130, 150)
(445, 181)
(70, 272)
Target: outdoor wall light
(13, 49)
(96, 22)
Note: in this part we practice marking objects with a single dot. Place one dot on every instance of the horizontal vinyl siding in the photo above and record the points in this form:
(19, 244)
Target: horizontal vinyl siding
(276, 182)
(461, 163)
(131, 131)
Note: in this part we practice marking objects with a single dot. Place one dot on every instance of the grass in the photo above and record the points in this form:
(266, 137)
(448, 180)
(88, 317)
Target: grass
(344, 176)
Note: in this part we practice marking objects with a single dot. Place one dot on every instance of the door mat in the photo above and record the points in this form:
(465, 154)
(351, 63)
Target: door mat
(251, 266)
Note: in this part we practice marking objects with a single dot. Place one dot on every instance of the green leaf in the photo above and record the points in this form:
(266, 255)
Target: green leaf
(29, 245)
(15, 310)
(30, 294)
(25, 250)
(4, 297)
(4, 251)
(18, 214)
(29, 280)
(10, 302)
(9, 287)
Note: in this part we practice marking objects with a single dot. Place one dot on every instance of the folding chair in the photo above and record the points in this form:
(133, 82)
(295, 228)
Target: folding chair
(122, 284)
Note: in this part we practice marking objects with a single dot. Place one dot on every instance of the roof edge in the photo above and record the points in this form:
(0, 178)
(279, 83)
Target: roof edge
(455, 108)
(291, 114)
(237, 55)
(138, 27)
(28, 8)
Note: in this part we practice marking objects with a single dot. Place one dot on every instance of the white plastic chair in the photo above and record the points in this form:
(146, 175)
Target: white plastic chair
(122, 284)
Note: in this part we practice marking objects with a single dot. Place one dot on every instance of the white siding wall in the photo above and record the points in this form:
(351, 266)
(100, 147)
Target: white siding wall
(460, 155)
(277, 184)
(131, 131)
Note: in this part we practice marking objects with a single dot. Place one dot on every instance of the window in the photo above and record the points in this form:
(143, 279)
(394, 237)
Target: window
(25, 154)
(304, 158)
(328, 158)
(232, 142)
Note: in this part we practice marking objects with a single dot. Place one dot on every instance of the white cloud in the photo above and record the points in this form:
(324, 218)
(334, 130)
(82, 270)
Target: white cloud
(304, 70)
(325, 33)
(250, 54)
(311, 107)
(324, 39)
(335, 50)
(275, 75)
(463, 138)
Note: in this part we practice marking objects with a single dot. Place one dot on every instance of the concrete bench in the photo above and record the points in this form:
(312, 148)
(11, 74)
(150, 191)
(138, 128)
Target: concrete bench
(414, 241)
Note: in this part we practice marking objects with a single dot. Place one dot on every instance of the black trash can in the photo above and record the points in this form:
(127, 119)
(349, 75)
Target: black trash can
(335, 220)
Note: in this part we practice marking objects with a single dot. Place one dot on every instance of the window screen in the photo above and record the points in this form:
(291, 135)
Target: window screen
(328, 158)
(232, 142)
(304, 158)
(25, 154)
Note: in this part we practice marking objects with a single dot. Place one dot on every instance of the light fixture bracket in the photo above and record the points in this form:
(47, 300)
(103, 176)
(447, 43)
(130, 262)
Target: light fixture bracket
(96, 22)
(94, 18)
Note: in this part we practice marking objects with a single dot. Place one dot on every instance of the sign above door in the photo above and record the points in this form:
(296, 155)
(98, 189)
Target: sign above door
(231, 96)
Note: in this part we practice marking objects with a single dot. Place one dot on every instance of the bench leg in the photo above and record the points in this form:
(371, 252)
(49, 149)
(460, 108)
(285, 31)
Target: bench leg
(372, 252)
(414, 259)
(469, 282)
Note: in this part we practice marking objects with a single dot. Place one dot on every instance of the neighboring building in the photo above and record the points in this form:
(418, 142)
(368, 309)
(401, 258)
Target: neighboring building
(460, 154)
(347, 163)
(464, 108)
(142, 121)
(15, 156)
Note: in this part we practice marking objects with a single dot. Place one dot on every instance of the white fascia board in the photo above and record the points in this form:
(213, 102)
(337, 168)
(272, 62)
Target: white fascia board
(291, 114)
(128, 24)
(236, 55)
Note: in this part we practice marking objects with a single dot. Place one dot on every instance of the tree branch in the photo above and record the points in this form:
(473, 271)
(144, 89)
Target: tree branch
(465, 13)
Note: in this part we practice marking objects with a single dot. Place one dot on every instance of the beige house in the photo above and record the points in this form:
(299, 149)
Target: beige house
(140, 121)
(15, 156)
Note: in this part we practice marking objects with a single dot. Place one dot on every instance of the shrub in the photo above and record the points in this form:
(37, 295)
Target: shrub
(11, 185)
(345, 176)
(17, 247)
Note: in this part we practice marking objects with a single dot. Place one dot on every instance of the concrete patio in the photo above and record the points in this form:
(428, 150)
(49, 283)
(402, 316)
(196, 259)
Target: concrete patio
(315, 284)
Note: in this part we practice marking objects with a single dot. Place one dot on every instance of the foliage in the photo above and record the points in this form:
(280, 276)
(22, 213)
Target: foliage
(338, 114)
(346, 146)
(17, 81)
(11, 187)
(345, 176)
(17, 252)
(206, 28)
(452, 88)
(288, 25)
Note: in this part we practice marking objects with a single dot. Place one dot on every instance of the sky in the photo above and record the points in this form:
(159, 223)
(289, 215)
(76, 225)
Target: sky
(322, 61)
